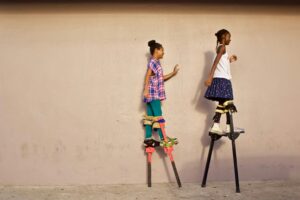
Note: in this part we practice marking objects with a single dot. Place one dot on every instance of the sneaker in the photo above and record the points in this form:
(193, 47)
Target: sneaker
(236, 129)
(215, 129)
(150, 142)
(170, 142)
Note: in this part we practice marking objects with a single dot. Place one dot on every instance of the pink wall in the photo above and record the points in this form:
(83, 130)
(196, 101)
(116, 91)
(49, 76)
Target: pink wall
(71, 82)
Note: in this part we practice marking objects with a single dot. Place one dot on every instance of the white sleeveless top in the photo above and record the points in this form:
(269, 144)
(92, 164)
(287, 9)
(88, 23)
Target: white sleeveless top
(223, 67)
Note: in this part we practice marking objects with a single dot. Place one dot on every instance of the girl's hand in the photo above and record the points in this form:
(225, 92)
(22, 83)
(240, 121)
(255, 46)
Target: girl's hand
(146, 93)
(208, 81)
(233, 58)
(176, 69)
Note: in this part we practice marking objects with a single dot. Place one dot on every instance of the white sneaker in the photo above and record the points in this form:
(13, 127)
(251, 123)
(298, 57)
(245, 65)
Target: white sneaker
(236, 129)
(216, 129)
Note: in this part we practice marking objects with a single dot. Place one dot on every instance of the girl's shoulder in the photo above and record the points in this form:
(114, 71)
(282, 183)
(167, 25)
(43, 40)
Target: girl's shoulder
(154, 65)
(221, 48)
(153, 62)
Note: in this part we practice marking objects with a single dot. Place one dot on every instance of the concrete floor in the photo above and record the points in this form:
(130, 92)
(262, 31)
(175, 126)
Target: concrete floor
(268, 190)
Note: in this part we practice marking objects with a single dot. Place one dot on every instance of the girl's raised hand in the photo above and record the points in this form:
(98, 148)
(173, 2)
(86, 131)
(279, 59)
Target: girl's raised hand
(233, 58)
(176, 69)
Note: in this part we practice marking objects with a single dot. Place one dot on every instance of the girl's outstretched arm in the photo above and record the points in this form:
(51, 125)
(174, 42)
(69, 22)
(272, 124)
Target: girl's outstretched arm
(220, 52)
(172, 74)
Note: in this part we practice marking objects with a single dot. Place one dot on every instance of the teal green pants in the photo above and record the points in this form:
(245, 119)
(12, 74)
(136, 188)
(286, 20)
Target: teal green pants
(153, 109)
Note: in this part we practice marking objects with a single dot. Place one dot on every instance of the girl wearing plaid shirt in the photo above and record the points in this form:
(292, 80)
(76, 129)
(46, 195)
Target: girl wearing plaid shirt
(154, 90)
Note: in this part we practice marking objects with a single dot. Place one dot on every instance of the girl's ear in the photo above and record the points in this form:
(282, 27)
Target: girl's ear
(154, 52)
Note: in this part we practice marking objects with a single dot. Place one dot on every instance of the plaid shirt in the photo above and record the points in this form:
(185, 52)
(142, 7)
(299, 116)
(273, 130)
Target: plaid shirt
(156, 86)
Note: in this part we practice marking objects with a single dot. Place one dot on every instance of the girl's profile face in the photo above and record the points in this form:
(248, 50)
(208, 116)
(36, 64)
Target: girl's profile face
(160, 52)
(227, 39)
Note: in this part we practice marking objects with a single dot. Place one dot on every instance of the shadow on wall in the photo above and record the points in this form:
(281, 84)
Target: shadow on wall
(207, 108)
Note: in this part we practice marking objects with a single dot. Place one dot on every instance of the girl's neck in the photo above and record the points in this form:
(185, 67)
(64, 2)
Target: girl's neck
(155, 58)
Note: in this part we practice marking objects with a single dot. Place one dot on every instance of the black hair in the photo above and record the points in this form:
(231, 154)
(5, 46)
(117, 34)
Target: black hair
(154, 45)
(220, 35)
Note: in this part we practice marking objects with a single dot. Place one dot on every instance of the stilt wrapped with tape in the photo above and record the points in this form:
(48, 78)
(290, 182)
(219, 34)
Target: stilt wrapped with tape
(233, 134)
(167, 143)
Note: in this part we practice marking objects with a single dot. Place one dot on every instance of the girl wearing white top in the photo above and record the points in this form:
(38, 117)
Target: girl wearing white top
(219, 79)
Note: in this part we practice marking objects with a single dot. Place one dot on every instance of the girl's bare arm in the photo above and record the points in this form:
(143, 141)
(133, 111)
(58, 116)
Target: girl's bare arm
(220, 52)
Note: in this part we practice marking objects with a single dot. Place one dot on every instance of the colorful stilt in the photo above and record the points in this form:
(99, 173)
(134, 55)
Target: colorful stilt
(167, 143)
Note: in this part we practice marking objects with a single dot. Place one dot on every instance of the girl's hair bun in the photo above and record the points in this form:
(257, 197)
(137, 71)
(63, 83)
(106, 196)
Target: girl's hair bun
(151, 43)
(154, 45)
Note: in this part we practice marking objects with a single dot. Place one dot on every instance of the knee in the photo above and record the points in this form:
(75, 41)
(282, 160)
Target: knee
(229, 106)
(153, 121)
